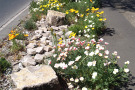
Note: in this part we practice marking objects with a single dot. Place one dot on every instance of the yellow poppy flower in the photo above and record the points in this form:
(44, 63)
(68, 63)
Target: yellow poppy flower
(87, 9)
(42, 9)
(100, 19)
(87, 14)
(76, 11)
(67, 12)
(26, 35)
(82, 15)
(97, 15)
(85, 26)
(71, 10)
(40, 6)
(58, 8)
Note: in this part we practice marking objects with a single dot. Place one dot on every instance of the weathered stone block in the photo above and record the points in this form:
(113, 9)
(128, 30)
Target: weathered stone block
(36, 78)
(55, 18)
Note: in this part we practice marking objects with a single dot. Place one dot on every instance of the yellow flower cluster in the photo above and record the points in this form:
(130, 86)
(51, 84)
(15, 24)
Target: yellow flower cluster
(51, 4)
(72, 34)
(71, 10)
(94, 9)
(12, 34)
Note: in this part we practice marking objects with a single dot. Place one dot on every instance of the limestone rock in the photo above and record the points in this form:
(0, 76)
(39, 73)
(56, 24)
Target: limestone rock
(55, 28)
(36, 78)
(43, 39)
(35, 37)
(38, 58)
(48, 54)
(59, 33)
(31, 51)
(47, 48)
(38, 31)
(31, 45)
(46, 34)
(28, 61)
(39, 50)
(63, 27)
(55, 18)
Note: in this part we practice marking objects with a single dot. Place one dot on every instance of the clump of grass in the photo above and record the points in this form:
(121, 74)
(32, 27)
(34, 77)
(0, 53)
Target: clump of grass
(16, 47)
(30, 25)
(4, 64)
(36, 16)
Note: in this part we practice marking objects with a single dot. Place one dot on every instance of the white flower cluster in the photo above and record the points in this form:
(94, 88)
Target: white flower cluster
(91, 63)
(61, 65)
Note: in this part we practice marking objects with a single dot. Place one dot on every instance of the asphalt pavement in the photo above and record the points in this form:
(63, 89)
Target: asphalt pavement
(120, 34)
(9, 10)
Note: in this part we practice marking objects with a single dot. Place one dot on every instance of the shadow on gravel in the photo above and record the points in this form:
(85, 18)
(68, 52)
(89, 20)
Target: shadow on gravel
(127, 5)
(131, 83)
(107, 32)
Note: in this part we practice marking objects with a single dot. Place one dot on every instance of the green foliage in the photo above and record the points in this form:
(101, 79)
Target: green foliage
(4, 65)
(75, 28)
(36, 16)
(16, 47)
(20, 37)
(30, 25)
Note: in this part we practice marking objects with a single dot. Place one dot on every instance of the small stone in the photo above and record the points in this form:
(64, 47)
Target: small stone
(39, 50)
(16, 68)
(47, 34)
(22, 53)
(43, 39)
(59, 33)
(20, 65)
(38, 31)
(55, 28)
(48, 54)
(47, 48)
(44, 29)
(50, 43)
(35, 37)
(31, 45)
(28, 61)
(42, 23)
(63, 27)
(31, 51)
(38, 58)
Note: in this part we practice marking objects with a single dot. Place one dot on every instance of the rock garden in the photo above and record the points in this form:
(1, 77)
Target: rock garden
(58, 47)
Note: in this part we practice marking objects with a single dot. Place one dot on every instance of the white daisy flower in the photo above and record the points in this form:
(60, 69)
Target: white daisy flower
(126, 70)
(115, 71)
(77, 58)
(81, 78)
(90, 64)
(127, 62)
(84, 88)
(94, 74)
(76, 80)
(71, 79)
